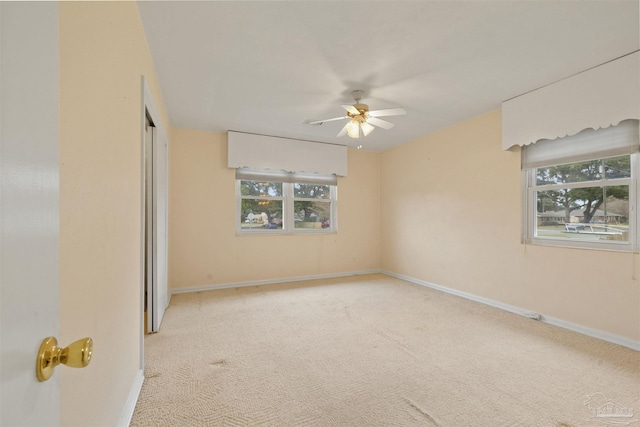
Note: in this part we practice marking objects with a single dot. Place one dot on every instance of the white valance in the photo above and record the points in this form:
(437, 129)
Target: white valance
(263, 152)
(597, 98)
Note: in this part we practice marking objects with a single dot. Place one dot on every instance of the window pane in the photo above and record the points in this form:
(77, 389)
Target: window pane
(573, 172)
(261, 214)
(261, 188)
(311, 191)
(617, 167)
(312, 214)
(591, 213)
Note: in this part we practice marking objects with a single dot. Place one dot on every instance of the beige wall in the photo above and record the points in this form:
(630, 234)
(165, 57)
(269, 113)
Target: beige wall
(103, 54)
(451, 208)
(449, 214)
(203, 246)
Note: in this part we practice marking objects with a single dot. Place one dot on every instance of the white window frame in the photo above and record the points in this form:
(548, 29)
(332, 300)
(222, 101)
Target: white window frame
(589, 144)
(530, 217)
(288, 224)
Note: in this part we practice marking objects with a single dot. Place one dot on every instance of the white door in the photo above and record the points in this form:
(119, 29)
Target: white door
(160, 207)
(28, 209)
(156, 225)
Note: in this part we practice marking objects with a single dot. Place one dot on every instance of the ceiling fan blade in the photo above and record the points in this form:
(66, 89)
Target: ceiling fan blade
(351, 109)
(380, 123)
(319, 122)
(388, 112)
(343, 132)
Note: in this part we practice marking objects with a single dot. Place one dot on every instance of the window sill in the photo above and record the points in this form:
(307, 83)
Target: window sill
(298, 232)
(597, 246)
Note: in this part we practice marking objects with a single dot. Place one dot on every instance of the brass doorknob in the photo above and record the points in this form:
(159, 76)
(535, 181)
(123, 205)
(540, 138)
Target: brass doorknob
(75, 355)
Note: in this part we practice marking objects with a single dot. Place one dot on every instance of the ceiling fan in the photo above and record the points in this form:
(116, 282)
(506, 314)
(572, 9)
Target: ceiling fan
(361, 119)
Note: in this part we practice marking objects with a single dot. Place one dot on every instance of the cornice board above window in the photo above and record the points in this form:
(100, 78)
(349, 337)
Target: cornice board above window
(263, 152)
(597, 98)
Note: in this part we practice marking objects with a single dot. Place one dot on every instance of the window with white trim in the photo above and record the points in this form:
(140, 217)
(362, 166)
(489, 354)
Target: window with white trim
(279, 202)
(581, 190)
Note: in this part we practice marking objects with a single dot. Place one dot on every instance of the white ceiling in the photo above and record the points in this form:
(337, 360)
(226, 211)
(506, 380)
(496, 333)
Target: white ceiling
(267, 66)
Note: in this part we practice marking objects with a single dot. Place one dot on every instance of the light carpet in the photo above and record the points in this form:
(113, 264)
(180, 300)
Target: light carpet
(374, 351)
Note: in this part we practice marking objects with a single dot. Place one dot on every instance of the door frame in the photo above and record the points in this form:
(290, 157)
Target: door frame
(148, 109)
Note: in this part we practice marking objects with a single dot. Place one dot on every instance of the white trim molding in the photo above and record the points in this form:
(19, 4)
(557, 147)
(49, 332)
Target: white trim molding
(584, 330)
(605, 336)
(271, 281)
(132, 399)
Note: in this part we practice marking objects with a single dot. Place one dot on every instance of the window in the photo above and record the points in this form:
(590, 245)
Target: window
(274, 202)
(261, 205)
(580, 191)
(312, 206)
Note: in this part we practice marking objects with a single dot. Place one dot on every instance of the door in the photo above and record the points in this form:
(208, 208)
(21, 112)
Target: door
(156, 207)
(28, 209)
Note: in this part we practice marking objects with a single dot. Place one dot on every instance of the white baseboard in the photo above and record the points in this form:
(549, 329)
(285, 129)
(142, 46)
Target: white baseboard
(271, 281)
(130, 405)
(595, 333)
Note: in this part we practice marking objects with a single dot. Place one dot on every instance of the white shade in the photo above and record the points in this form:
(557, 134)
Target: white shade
(269, 152)
(586, 145)
(367, 128)
(597, 98)
(353, 130)
(282, 176)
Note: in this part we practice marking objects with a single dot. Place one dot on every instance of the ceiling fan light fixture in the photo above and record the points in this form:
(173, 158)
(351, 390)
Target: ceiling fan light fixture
(361, 118)
(353, 130)
(366, 128)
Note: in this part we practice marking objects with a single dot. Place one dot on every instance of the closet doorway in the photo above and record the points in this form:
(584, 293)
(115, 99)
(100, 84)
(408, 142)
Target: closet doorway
(155, 220)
